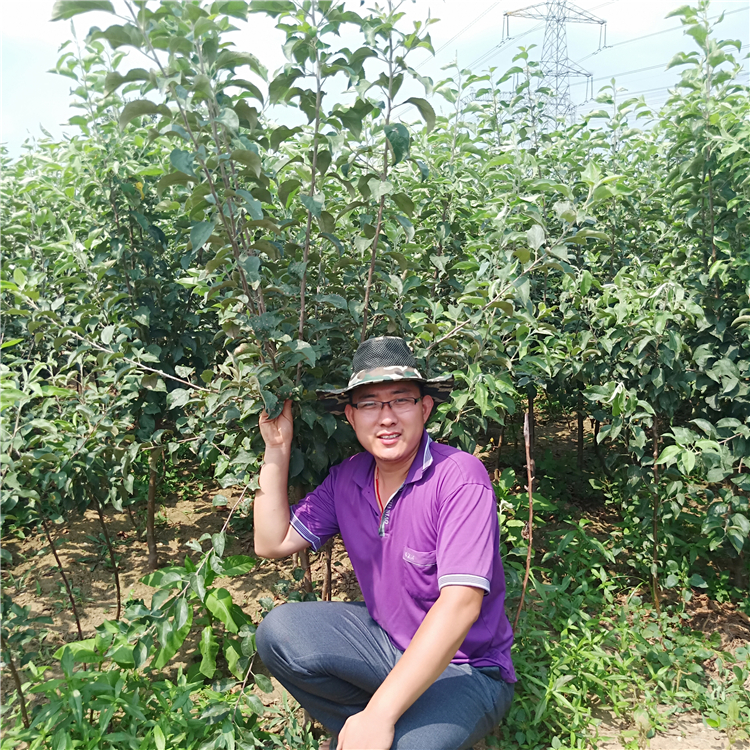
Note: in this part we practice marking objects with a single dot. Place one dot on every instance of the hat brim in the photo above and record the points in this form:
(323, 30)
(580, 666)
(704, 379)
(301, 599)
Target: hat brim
(439, 388)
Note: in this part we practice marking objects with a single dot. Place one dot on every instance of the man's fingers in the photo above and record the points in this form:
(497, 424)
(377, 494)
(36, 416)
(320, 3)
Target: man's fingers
(285, 412)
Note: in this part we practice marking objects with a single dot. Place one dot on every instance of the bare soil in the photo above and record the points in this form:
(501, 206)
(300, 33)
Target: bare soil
(34, 581)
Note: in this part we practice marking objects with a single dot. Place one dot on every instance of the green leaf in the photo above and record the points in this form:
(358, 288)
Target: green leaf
(180, 613)
(404, 202)
(237, 565)
(399, 140)
(219, 542)
(81, 651)
(248, 159)
(252, 204)
(200, 233)
(336, 300)
(425, 109)
(313, 203)
(264, 683)
(107, 334)
(586, 281)
(174, 642)
(407, 225)
(255, 704)
(138, 108)
(535, 237)
(559, 251)
(233, 654)
(669, 453)
(219, 604)
(178, 397)
(120, 36)
(65, 9)
(228, 117)
(304, 348)
(591, 175)
(198, 585)
(142, 315)
(231, 59)
(168, 576)
(173, 178)
(378, 188)
(271, 404)
(182, 161)
(424, 170)
(159, 739)
(209, 648)
(523, 287)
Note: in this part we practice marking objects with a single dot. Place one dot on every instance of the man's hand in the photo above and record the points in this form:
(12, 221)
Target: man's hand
(274, 537)
(278, 433)
(366, 731)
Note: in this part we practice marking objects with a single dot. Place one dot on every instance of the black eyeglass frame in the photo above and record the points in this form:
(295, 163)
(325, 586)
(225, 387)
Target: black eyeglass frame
(416, 400)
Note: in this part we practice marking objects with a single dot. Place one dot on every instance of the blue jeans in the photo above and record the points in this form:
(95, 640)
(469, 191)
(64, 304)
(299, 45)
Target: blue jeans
(332, 657)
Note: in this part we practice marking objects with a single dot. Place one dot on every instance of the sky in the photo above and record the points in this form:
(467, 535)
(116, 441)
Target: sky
(640, 42)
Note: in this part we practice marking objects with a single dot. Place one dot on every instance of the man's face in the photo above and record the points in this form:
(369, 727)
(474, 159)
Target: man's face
(390, 434)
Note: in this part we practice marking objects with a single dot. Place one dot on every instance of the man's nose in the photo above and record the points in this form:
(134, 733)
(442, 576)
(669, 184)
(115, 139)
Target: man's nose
(387, 415)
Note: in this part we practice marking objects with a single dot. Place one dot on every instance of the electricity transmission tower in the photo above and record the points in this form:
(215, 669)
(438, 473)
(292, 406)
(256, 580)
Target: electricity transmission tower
(556, 66)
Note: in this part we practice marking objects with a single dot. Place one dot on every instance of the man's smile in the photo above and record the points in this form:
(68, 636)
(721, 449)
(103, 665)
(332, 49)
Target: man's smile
(389, 438)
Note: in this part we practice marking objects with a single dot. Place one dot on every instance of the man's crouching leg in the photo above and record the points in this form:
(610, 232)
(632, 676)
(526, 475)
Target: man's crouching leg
(331, 656)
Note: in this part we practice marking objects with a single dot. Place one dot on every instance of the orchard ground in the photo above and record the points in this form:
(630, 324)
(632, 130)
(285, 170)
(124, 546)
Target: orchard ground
(186, 512)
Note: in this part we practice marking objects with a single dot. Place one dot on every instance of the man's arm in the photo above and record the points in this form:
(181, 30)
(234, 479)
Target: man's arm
(274, 537)
(435, 643)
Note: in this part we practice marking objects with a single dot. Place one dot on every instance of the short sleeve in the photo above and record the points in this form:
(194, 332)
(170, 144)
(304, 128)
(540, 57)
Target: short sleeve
(314, 517)
(467, 537)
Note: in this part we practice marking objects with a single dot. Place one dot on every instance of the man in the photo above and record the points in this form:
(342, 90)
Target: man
(424, 663)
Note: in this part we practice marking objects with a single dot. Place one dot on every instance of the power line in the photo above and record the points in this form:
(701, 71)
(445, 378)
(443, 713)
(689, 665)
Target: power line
(465, 28)
(655, 33)
(490, 53)
(639, 70)
(650, 93)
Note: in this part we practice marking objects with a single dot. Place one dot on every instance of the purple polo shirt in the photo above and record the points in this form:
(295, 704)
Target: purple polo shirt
(440, 529)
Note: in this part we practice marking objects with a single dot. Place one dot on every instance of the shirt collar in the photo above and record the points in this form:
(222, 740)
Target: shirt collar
(421, 461)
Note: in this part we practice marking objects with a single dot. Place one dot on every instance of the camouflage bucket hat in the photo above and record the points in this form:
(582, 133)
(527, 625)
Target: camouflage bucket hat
(381, 360)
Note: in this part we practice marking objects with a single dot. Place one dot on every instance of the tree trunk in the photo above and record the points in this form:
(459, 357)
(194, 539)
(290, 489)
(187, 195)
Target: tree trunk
(64, 577)
(296, 493)
(138, 532)
(655, 589)
(326, 590)
(741, 573)
(153, 557)
(581, 419)
(111, 556)
(304, 563)
(529, 530)
(598, 449)
(530, 438)
(17, 683)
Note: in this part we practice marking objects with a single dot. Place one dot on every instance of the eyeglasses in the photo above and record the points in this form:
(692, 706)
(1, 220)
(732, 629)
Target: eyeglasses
(399, 405)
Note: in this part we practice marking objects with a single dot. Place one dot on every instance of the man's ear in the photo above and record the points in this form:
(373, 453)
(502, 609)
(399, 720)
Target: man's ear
(349, 411)
(427, 404)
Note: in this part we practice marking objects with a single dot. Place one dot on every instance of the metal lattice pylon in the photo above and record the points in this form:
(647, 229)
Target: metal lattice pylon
(556, 66)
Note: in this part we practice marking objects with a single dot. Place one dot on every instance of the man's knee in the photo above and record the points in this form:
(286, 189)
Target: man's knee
(276, 636)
